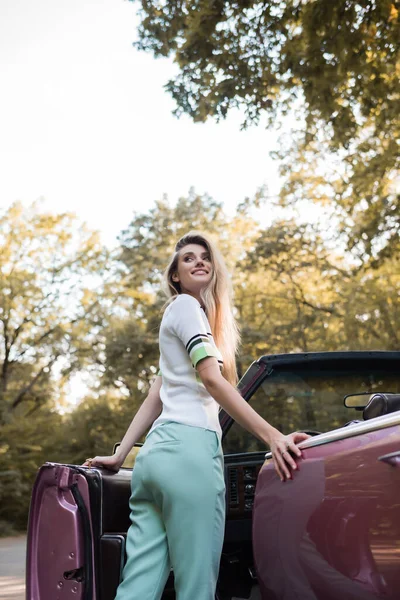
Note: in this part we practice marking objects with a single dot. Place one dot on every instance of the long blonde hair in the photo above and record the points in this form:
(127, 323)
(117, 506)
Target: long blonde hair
(217, 299)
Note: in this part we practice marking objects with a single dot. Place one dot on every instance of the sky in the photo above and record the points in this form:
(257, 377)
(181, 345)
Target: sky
(86, 125)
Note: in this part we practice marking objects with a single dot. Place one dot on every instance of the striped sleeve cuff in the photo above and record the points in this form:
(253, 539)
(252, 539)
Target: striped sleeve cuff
(199, 347)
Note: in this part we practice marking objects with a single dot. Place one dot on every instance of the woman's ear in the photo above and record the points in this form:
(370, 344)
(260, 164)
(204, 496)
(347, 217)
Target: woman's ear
(175, 277)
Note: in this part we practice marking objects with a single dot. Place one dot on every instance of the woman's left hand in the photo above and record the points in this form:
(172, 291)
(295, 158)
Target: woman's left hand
(282, 448)
(112, 463)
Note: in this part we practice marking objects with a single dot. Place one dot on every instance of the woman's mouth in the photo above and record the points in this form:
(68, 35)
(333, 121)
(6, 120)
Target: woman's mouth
(200, 272)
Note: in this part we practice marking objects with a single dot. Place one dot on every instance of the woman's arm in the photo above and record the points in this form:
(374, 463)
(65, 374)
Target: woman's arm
(235, 405)
(143, 419)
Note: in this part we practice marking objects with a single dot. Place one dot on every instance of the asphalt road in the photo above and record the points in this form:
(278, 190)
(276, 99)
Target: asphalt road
(12, 568)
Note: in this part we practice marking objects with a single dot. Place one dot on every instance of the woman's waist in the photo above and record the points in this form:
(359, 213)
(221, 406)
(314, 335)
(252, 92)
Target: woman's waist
(207, 422)
(182, 431)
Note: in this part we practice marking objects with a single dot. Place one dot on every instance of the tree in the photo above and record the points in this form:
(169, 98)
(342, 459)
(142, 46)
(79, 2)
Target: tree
(341, 56)
(148, 242)
(334, 64)
(301, 295)
(289, 302)
(93, 427)
(132, 354)
(50, 308)
(25, 444)
(292, 290)
(359, 187)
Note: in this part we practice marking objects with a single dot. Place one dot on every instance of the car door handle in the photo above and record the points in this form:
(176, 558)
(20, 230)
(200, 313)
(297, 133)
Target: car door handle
(392, 459)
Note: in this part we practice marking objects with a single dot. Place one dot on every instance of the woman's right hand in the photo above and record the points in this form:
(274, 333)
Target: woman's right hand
(112, 463)
(282, 448)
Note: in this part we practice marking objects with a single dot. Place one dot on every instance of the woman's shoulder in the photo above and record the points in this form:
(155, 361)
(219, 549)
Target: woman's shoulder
(181, 305)
(186, 299)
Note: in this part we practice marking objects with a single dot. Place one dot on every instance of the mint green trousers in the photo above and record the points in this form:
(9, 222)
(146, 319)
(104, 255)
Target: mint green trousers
(177, 515)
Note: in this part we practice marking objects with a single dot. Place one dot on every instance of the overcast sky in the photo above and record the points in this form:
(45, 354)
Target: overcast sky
(85, 122)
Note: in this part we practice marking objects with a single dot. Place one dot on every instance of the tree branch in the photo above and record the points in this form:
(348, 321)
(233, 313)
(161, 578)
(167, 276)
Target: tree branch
(34, 380)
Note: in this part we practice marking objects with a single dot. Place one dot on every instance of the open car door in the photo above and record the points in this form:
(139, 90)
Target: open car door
(76, 533)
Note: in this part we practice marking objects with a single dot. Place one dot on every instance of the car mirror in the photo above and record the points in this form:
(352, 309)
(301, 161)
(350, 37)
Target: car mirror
(357, 401)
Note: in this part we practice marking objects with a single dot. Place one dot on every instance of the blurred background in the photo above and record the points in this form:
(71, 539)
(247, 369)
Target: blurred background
(272, 125)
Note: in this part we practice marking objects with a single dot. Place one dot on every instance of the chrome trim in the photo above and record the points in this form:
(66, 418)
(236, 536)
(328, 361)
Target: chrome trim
(387, 457)
(350, 431)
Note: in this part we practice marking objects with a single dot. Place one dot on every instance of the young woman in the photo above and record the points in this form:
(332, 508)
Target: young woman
(178, 491)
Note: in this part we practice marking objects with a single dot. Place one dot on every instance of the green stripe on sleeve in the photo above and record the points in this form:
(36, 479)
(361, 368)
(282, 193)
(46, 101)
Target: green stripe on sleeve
(203, 351)
(198, 354)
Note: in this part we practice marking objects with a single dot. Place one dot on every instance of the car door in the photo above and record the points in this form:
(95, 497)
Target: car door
(333, 531)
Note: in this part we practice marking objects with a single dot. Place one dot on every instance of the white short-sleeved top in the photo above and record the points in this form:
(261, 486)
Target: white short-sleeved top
(186, 338)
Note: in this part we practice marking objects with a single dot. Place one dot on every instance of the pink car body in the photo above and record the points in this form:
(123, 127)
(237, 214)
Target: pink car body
(334, 530)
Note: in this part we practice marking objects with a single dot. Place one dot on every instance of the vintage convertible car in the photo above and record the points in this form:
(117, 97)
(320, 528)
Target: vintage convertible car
(332, 532)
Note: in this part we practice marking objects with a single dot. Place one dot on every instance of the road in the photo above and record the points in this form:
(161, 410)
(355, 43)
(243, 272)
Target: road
(12, 568)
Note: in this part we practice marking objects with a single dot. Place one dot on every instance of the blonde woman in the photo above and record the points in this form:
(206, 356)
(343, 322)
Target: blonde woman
(178, 490)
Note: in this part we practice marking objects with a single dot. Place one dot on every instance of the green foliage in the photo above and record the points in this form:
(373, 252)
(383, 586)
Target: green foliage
(50, 316)
(302, 296)
(132, 352)
(146, 246)
(92, 428)
(148, 242)
(50, 309)
(360, 186)
(293, 291)
(342, 56)
(26, 443)
(335, 66)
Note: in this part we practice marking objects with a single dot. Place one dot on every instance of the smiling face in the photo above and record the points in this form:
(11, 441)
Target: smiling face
(194, 269)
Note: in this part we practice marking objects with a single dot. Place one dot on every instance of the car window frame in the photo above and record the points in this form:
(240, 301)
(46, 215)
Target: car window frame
(260, 369)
